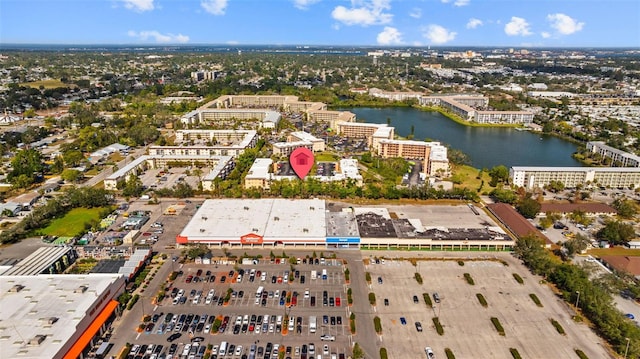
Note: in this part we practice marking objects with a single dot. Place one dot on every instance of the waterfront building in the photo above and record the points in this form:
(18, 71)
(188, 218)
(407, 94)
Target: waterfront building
(614, 177)
(433, 154)
(618, 157)
(317, 143)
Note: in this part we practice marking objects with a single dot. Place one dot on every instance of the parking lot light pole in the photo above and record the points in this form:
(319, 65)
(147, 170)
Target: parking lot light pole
(626, 351)
(577, 299)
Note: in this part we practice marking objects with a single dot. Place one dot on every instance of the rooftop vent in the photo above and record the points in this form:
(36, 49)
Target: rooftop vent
(37, 339)
(201, 230)
(81, 289)
(276, 218)
(305, 230)
(52, 320)
(254, 229)
(204, 218)
(246, 208)
(312, 208)
(16, 288)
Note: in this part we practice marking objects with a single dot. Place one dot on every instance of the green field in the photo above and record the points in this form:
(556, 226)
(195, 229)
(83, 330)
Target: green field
(48, 84)
(468, 176)
(73, 222)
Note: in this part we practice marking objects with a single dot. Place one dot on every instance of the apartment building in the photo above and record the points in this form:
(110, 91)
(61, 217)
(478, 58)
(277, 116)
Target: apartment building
(618, 157)
(331, 117)
(615, 177)
(286, 148)
(433, 154)
(318, 143)
(368, 131)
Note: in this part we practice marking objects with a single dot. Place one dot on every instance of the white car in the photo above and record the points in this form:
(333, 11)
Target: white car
(238, 350)
(429, 353)
(325, 350)
(327, 337)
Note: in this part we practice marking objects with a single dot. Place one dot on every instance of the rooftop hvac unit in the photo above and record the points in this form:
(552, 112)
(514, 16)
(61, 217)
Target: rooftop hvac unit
(37, 339)
(81, 289)
(16, 288)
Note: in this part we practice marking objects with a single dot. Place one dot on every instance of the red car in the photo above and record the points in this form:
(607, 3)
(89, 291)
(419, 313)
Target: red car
(337, 301)
(189, 279)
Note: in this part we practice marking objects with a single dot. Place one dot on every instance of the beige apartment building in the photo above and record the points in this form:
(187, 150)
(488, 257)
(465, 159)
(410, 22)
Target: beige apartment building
(365, 130)
(285, 148)
(433, 154)
(618, 157)
(331, 117)
(317, 143)
(538, 177)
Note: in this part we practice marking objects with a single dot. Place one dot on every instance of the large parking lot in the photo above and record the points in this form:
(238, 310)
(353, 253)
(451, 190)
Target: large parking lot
(261, 298)
(468, 330)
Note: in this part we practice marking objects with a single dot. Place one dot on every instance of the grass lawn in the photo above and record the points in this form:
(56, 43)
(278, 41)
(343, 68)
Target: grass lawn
(72, 223)
(615, 251)
(48, 84)
(468, 174)
(325, 157)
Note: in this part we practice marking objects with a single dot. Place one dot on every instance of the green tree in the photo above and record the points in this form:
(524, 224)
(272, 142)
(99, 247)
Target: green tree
(71, 175)
(72, 158)
(57, 166)
(26, 163)
(575, 245)
(616, 233)
(529, 207)
(626, 208)
(133, 187)
(498, 174)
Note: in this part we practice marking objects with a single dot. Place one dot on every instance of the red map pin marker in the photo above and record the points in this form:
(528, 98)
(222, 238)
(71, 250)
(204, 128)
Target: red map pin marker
(301, 160)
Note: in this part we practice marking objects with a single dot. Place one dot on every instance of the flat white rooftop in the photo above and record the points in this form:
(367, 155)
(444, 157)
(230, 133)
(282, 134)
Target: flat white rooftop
(273, 219)
(27, 312)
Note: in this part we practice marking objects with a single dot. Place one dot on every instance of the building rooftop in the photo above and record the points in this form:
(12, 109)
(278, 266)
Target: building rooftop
(570, 207)
(305, 136)
(39, 261)
(575, 169)
(270, 218)
(40, 313)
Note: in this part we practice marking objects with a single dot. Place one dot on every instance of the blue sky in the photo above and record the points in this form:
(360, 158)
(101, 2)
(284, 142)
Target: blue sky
(545, 23)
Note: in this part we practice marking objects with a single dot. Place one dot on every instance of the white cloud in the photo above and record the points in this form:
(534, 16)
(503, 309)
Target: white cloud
(416, 13)
(474, 23)
(364, 13)
(564, 24)
(457, 2)
(158, 37)
(139, 5)
(438, 35)
(389, 36)
(545, 35)
(215, 7)
(517, 27)
(304, 4)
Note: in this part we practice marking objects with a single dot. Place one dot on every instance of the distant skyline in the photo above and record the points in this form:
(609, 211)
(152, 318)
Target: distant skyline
(524, 23)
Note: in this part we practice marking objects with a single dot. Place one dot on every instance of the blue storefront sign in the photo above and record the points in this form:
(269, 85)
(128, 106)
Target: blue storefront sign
(343, 240)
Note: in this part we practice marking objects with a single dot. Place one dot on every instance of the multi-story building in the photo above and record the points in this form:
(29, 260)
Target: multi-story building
(364, 130)
(331, 117)
(264, 118)
(318, 143)
(471, 108)
(433, 154)
(618, 157)
(615, 177)
(285, 148)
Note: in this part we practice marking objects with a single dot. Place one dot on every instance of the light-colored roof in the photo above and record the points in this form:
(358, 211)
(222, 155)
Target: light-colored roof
(305, 136)
(575, 169)
(39, 261)
(260, 168)
(215, 171)
(270, 218)
(26, 313)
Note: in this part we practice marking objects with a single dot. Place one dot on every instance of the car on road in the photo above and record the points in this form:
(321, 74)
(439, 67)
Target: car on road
(386, 302)
(630, 316)
(415, 299)
(403, 320)
(419, 326)
(429, 353)
(379, 280)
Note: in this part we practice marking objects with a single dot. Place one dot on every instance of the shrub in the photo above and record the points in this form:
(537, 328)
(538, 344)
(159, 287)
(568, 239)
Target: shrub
(367, 277)
(377, 324)
(133, 301)
(514, 353)
(497, 325)
(581, 354)
(518, 278)
(383, 353)
(352, 324)
(482, 301)
(216, 325)
(449, 353)
(461, 263)
(536, 300)
(469, 279)
(372, 298)
(418, 278)
(557, 325)
(427, 299)
(439, 327)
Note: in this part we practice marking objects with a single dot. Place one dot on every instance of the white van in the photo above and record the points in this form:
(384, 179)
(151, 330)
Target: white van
(239, 278)
(223, 349)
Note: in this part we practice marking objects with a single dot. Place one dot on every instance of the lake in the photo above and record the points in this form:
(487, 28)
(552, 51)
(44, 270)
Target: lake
(486, 146)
